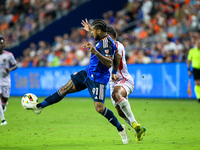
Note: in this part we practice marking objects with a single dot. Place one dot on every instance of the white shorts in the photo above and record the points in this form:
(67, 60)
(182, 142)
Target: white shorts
(128, 87)
(5, 91)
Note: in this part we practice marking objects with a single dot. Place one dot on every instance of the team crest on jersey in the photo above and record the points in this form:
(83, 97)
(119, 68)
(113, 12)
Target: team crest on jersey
(106, 51)
(4, 60)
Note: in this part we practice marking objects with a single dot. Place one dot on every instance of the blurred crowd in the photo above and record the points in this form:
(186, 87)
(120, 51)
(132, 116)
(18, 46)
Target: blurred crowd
(152, 31)
(19, 19)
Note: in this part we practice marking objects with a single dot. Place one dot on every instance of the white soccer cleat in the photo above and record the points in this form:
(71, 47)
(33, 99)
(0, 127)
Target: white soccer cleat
(4, 122)
(124, 135)
(29, 106)
(37, 110)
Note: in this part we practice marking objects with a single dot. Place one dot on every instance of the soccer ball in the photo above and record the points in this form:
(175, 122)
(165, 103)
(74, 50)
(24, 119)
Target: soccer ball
(29, 100)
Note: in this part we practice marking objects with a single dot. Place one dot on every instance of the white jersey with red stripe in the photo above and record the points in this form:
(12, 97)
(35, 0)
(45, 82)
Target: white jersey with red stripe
(122, 72)
(6, 59)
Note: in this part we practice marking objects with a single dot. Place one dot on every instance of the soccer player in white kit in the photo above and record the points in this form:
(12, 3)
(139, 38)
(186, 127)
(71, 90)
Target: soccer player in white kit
(6, 59)
(122, 85)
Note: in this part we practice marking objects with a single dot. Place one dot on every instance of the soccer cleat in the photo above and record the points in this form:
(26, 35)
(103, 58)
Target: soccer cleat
(4, 122)
(139, 133)
(136, 126)
(37, 110)
(124, 135)
(139, 130)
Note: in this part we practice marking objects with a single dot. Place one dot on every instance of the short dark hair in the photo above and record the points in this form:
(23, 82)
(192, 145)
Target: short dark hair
(112, 31)
(99, 24)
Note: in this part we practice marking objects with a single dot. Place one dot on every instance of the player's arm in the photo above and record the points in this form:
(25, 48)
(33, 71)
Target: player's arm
(86, 25)
(189, 60)
(188, 66)
(116, 63)
(104, 60)
(11, 69)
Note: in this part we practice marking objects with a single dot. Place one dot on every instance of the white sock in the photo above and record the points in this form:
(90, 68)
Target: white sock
(1, 113)
(126, 108)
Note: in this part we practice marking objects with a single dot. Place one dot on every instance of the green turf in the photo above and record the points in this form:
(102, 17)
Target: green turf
(73, 124)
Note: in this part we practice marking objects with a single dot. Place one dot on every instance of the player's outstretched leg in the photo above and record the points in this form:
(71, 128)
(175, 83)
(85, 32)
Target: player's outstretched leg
(54, 98)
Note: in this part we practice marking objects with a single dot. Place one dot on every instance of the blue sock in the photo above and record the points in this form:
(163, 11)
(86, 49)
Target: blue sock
(54, 98)
(112, 119)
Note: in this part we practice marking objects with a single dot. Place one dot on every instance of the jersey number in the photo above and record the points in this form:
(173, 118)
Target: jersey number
(98, 92)
(95, 91)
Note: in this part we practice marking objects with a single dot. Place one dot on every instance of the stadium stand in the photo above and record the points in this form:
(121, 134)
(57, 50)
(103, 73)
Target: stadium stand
(152, 31)
(19, 19)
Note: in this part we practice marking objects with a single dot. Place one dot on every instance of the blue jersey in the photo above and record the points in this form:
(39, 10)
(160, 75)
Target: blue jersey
(96, 71)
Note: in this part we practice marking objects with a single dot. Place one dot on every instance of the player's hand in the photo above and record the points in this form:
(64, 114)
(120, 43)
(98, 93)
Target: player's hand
(115, 78)
(86, 25)
(90, 47)
(189, 73)
(7, 70)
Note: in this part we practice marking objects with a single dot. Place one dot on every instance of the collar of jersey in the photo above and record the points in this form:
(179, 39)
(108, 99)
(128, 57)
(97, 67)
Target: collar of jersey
(104, 38)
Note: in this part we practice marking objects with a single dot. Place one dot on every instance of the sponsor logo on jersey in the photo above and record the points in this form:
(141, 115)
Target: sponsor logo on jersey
(4, 60)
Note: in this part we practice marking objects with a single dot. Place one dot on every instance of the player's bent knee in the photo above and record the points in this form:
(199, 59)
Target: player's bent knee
(116, 96)
(62, 90)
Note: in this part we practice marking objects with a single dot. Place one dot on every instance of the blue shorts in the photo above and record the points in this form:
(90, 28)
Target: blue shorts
(82, 81)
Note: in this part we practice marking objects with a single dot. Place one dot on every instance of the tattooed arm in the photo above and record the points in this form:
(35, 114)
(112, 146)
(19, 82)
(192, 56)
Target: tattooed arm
(104, 60)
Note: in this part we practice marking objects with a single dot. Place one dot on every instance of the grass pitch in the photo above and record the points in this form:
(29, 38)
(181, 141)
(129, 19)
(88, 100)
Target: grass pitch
(73, 124)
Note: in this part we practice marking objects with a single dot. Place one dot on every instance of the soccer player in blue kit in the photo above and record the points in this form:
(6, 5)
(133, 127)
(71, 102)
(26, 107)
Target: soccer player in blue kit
(95, 77)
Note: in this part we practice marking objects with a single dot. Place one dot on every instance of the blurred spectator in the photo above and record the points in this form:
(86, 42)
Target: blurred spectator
(152, 31)
(25, 17)
(169, 45)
